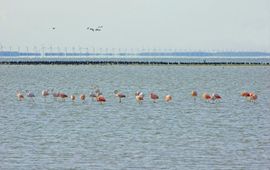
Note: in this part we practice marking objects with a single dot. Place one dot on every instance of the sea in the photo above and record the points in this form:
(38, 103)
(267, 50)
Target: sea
(186, 133)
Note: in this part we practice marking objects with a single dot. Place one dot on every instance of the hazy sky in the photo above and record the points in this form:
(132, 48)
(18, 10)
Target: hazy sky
(181, 24)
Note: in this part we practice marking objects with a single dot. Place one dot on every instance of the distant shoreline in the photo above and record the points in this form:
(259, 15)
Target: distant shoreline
(125, 63)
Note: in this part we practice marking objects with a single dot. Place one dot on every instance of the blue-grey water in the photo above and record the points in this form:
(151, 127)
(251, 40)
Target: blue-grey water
(182, 134)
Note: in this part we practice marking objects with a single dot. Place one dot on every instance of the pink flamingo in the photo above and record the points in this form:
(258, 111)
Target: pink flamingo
(139, 97)
(252, 97)
(119, 95)
(245, 94)
(168, 98)
(215, 97)
(63, 96)
(194, 93)
(82, 97)
(154, 97)
(95, 94)
(73, 97)
(206, 96)
(101, 99)
(19, 95)
(45, 93)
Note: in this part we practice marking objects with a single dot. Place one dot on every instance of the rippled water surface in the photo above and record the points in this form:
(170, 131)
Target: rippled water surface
(182, 134)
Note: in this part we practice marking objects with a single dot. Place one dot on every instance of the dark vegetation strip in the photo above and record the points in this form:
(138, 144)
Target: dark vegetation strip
(125, 63)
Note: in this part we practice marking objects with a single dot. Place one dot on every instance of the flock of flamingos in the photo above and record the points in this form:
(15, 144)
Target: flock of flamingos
(139, 96)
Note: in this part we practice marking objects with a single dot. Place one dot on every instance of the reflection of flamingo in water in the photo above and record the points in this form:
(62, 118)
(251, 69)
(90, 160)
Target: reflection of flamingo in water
(154, 97)
(119, 95)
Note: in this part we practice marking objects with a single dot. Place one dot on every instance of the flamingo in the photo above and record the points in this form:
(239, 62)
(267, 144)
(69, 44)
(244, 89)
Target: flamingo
(252, 97)
(206, 96)
(19, 95)
(139, 96)
(30, 94)
(82, 97)
(73, 97)
(101, 99)
(62, 96)
(194, 93)
(245, 94)
(45, 93)
(119, 95)
(95, 94)
(215, 96)
(168, 98)
(154, 97)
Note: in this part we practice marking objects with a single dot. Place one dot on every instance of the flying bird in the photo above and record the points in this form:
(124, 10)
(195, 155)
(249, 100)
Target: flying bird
(90, 29)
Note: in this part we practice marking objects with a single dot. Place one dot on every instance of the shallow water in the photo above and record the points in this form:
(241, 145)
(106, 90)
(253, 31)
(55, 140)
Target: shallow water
(182, 134)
